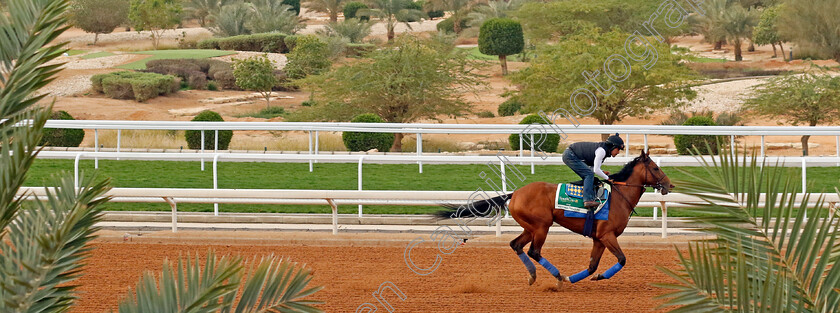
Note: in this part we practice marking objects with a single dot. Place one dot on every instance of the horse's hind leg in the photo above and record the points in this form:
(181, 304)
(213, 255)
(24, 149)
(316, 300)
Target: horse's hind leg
(517, 245)
(612, 243)
(534, 252)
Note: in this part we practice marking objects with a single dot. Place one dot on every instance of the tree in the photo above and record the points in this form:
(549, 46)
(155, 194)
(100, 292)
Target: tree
(231, 20)
(767, 31)
(492, 9)
(388, 10)
(412, 80)
(738, 23)
(156, 16)
(309, 57)
(813, 25)
(205, 9)
(809, 99)
(98, 16)
(710, 25)
(459, 9)
(331, 7)
(502, 37)
(272, 16)
(255, 74)
(633, 89)
(750, 263)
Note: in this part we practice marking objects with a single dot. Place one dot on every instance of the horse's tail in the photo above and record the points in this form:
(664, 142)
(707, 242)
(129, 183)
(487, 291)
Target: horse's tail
(480, 208)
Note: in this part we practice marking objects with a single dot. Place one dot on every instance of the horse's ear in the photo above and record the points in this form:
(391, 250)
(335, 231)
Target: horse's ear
(643, 155)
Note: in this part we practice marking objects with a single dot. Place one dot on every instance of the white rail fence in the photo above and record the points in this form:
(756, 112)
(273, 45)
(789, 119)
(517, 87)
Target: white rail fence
(333, 198)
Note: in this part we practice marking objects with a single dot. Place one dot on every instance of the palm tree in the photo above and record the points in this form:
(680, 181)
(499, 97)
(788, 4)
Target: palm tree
(710, 25)
(43, 243)
(331, 7)
(272, 16)
(231, 20)
(738, 23)
(459, 9)
(204, 9)
(492, 9)
(389, 11)
(766, 256)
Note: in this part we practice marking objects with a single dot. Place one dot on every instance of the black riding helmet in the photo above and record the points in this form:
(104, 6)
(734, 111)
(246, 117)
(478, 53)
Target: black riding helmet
(615, 141)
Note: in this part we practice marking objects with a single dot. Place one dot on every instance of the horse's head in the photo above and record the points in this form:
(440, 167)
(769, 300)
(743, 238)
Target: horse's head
(654, 176)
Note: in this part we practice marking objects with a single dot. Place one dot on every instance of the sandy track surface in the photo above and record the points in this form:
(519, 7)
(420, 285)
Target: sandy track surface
(481, 276)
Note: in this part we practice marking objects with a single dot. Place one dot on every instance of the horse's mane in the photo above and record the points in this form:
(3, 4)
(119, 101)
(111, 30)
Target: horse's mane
(625, 172)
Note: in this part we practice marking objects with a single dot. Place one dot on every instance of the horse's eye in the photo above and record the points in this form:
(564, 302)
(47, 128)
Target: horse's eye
(656, 169)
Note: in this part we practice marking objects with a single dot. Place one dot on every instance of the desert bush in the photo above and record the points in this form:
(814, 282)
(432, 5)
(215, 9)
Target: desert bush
(403, 18)
(225, 79)
(210, 43)
(365, 141)
(448, 25)
(687, 143)
(135, 85)
(263, 42)
(193, 137)
(193, 72)
(485, 114)
(351, 8)
(358, 49)
(290, 42)
(509, 107)
(550, 144)
(435, 14)
(62, 137)
(309, 57)
(352, 29)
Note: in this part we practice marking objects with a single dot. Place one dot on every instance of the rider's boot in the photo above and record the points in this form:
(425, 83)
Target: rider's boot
(590, 205)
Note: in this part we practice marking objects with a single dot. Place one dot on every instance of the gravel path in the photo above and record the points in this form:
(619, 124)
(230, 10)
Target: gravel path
(723, 97)
(69, 86)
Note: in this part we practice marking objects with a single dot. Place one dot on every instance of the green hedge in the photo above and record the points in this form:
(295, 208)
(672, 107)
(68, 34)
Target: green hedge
(263, 42)
(687, 143)
(550, 144)
(365, 141)
(501, 36)
(509, 107)
(193, 137)
(351, 8)
(135, 85)
(62, 137)
(448, 25)
(193, 72)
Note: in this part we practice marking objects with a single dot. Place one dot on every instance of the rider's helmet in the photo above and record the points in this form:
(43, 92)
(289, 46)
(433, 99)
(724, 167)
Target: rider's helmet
(615, 142)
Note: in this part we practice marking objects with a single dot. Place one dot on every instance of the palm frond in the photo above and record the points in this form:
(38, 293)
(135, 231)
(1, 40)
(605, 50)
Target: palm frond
(46, 245)
(766, 254)
(273, 285)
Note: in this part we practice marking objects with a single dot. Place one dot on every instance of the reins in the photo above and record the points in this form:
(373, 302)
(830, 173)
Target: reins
(643, 186)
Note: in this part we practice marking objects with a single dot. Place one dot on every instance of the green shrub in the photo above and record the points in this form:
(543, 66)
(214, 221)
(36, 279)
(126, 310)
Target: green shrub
(687, 143)
(351, 8)
(225, 79)
(262, 42)
(62, 137)
(509, 107)
(308, 103)
(550, 144)
(212, 86)
(435, 14)
(410, 17)
(194, 136)
(358, 49)
(295, 4)
(309, 57)
(448, 25)
(501, 36)
(485, 114)
(135, 85)
(366, 141)
(193, 72)
(290, 41)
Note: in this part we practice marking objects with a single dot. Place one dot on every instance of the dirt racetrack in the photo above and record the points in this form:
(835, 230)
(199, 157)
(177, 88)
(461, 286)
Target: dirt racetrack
(481, 276)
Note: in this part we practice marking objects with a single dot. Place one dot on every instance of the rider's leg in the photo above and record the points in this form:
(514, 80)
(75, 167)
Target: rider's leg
(584, 171)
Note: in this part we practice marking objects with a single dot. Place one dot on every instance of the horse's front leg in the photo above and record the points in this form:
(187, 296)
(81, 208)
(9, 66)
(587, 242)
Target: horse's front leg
(594, 260)
(612, 243)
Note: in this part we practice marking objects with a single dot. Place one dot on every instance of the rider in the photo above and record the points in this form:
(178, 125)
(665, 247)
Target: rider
(580, 156)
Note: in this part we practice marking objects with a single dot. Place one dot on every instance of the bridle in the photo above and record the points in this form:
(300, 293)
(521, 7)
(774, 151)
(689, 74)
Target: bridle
(657, 186)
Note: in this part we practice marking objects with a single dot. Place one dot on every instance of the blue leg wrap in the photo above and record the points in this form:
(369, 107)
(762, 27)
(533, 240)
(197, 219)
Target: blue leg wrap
(612, 270)
(528, 264)
(551, 269)
(577, 277)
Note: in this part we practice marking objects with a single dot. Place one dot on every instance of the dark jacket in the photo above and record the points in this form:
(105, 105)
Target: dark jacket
(586, 151)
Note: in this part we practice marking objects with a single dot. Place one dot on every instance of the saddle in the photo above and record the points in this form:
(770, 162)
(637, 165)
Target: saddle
(569, 197)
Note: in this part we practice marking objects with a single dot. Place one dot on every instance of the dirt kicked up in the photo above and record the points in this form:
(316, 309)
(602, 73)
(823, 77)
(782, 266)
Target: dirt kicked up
(483, 275)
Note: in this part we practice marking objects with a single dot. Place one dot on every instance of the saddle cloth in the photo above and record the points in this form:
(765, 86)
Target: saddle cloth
(569, 198)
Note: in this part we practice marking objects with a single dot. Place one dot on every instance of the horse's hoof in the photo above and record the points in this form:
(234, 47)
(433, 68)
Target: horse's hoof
(532, 279)
(597, 277)
(560, 282)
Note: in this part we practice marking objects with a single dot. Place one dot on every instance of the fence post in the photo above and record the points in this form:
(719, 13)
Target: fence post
(627, 145)
(317, 143)
(646, 144)
(216, 143)
(202, 150)
(520, 149)
(762, 146)
(96, 147)
(174, 213)
(654, 212)
(310, 150)
(76, 171)
(119, 134)
(361, 158)
(532, 155)
(664, 219)
(334, 208)
(216, 181)
(420, 150)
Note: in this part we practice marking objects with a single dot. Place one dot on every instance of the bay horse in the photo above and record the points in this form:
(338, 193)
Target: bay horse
(532, 206)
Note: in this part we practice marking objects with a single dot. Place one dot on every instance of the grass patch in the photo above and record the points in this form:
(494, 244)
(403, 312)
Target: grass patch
(477, 55)
(707, 60)
(269, 112)
(97, 55)
(73, 52)
(174, 174)
(173, 54)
